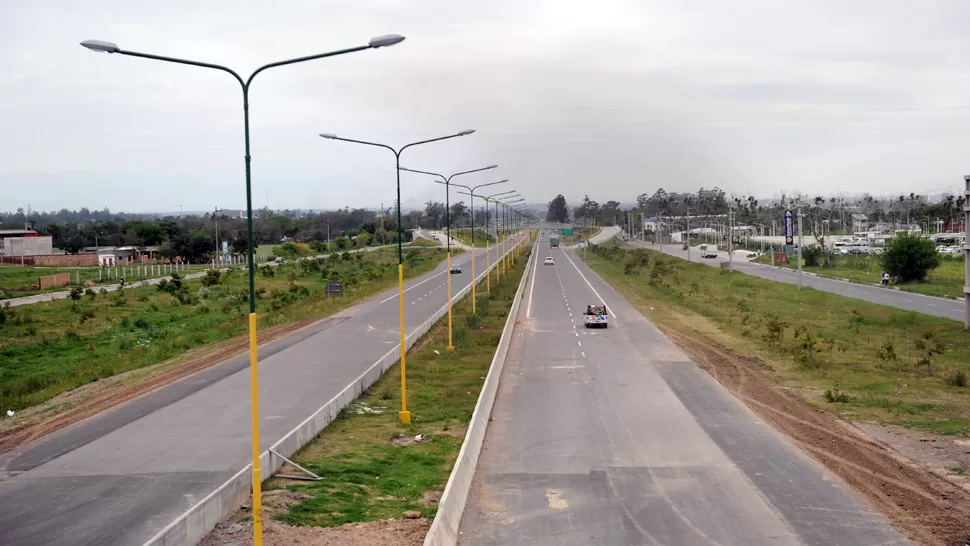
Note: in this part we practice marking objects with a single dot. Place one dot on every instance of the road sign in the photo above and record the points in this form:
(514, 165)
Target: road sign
(789, 229)
(566, 232)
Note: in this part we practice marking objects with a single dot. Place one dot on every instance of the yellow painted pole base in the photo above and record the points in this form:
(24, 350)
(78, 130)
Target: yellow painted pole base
(254, 401)
(404, 415)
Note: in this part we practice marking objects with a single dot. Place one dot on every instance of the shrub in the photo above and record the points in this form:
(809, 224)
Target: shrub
(90, 293)
(474, 321)
(910, 257)
(153, 305)
(142, 323)
(317, 246)
(833, 396)
(72, 334)
(211, 278)
(125, 322)
(76, 293)
(86, 315)
(958, 379)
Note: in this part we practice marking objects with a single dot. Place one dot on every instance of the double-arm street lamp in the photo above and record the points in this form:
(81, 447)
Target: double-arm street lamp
(404, 416)
(471, 193)
(447, 182)
(488, 276)
(506, 260)
(245, 84)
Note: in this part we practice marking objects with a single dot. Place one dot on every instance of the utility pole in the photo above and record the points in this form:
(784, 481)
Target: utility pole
(215, 216)
(799, 248)
(966, 251)
(688, 236)
(730, 239)
(383, 235)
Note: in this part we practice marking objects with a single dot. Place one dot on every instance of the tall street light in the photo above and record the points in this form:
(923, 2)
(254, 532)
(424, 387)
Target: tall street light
(499, 222)
(488, 276)
(404, 416)
(447, 183)
(471, 193)
(375, 43)
(505, 245)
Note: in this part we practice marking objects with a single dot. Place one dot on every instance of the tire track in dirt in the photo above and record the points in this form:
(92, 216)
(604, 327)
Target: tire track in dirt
(930, 510)
(124, 392)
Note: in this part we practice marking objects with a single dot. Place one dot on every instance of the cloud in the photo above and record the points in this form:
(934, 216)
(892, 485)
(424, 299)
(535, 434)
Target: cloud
(610, 99)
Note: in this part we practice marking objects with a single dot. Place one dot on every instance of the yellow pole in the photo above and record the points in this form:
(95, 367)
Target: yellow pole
(405, 416)
(473, 275)
(450, 346)
(488, 274)
(257, 471)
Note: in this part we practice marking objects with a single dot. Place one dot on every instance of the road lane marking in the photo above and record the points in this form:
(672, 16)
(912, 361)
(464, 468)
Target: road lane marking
(576, 367)
(580, 343)
(528, 311)
(582, 353)
(610, 311)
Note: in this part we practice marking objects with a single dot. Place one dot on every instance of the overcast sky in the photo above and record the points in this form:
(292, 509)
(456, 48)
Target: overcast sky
(609, 97)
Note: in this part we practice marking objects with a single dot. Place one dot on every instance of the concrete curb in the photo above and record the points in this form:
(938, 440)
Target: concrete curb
(194, 524)
(444, 528)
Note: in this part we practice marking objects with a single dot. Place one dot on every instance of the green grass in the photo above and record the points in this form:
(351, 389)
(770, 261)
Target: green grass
(53, 347)
(846, 338)
(465, 236)
(367, 478)
(423, 243)
(18, 281)
(944, 281)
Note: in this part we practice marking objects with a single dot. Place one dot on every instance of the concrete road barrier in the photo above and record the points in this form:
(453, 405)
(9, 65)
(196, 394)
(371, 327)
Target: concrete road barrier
(194, 524)
(444, 528)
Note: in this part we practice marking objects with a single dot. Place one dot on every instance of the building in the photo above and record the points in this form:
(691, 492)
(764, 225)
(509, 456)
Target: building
(21, 243)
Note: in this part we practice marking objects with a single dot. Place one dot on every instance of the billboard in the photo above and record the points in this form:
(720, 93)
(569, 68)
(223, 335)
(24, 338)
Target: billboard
(789, 229)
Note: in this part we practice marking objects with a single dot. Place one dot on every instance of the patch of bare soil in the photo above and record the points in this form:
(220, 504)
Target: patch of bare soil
(929, 509)
(946, 457)
(89, 400)
(238, 530)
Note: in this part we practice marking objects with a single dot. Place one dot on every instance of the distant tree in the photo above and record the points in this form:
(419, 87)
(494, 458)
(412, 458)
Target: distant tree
(73, 244)
(558, 210)
(910, 257)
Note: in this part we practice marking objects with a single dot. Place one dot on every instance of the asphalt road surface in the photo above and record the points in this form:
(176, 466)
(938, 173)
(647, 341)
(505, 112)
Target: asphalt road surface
(614, 437)
(122, 476)
(928, 305)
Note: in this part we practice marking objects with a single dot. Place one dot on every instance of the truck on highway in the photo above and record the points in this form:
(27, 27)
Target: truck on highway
(554, 242)
(595, 316)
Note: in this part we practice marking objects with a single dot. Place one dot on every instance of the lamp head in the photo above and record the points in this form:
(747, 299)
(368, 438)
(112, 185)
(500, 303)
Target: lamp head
(385, 41)
(101, 46)
(466, 132)
(330, 136)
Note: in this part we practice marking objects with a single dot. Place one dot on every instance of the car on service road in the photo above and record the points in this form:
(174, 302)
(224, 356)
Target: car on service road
(456, 270)
(548, 261)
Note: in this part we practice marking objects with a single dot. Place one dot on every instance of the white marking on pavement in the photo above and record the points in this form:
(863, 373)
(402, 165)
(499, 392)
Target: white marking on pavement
(582, 353)
(528, 311)
(580, 343)
(610, 311)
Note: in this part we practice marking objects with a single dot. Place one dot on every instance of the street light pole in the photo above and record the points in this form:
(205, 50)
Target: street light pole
(488, 263)
(446, 180)
(375, 43)
(504, 220)
(404, 416)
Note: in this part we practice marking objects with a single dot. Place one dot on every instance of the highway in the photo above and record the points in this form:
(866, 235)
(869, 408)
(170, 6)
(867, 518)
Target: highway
(122, 476)
(614, 437)
(927, 305)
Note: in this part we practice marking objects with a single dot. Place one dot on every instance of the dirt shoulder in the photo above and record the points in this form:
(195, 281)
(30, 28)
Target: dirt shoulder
(930, 509)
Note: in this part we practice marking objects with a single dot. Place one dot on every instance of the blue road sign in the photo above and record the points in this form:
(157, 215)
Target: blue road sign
(789, 229)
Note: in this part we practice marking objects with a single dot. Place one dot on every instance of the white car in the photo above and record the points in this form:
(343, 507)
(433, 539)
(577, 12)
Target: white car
(548, 261)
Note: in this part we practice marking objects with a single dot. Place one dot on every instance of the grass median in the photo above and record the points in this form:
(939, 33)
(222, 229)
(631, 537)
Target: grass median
(376, 469)
(53, 347)
(841, 354)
